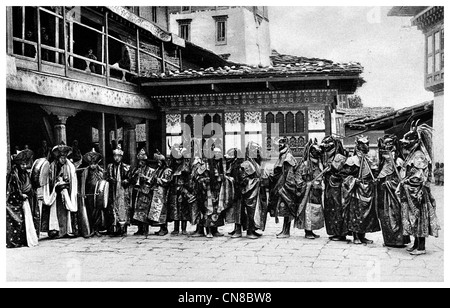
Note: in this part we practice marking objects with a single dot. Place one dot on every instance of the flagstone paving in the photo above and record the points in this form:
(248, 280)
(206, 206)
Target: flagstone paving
(222, 259)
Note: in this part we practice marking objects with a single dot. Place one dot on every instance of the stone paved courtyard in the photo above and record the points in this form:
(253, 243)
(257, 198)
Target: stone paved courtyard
(180, 258)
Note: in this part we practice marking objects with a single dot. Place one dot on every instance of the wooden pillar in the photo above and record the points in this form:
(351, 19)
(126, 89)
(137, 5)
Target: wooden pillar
(38, 49)
(107, 51)
(9, 29)
(66, 64)
(129, 142)
(102, 138)
(59, 129)
(56, 39)
(23, 28)
(8, 141)
(163, 134)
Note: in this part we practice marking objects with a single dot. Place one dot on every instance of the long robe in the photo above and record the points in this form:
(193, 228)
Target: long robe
(90, 217)
(118, 176)
(236, 212)
(254, 195)
(199, 193)
(143, 197)
(310, 216)
(22, 214)
(389, 207)
(333, 209)
(158, 209)
(219, 193)
(60, 201)
(178, 198)
(284, 195)
(417, 203)
(360, 196)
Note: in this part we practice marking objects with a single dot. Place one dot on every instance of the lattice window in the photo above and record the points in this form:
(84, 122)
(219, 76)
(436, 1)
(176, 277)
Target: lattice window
(270, 118)
(289, 122)
(280, 120)
(299, 122)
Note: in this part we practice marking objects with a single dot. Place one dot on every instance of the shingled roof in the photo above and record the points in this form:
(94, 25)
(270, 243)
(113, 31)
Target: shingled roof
(282, 65)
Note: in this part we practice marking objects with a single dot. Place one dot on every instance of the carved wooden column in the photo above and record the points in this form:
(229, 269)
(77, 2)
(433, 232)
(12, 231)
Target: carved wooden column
(59, 127)
(129, 139)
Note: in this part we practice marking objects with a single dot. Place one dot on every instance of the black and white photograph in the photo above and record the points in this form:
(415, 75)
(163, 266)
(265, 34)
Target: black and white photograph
(245, 145)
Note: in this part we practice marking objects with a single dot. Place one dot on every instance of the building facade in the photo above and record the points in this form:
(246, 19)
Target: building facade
(72, 75)
(430, 20)
(240, 34)
(298, 94)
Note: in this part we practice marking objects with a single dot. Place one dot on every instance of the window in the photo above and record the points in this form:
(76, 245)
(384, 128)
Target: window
(221, 29)
(184, 29)
(185, 9)
(133, 9)
(154, 14)
(435, 52)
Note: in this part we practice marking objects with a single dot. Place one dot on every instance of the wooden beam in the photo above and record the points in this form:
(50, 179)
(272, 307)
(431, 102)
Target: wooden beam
(196, 81)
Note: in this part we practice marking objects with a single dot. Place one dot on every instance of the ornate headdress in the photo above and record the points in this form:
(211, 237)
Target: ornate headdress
(118, 150)
(159, 156)
(92, 157)
(22, 156)
(142, 155)
(422, 135)
(61, 150)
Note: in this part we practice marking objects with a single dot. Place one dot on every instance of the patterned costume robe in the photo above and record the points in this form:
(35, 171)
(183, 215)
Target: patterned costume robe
(90, 217)
(310, 213)
(418, 205)
(254, 194)
(178, 198)
(359, 195)
(284, 187)
(119, 199)
(142, 198)
(158, 209)
(236, 213)
(389, 207)
(22, 215)
(218, 190)
(333, 208)
(62, 201)
(199, 191)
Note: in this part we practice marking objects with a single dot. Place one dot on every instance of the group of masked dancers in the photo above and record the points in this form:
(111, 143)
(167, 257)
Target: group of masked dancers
(351, 194)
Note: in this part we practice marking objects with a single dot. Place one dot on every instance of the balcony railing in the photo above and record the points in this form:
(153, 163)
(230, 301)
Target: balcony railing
(123, 53)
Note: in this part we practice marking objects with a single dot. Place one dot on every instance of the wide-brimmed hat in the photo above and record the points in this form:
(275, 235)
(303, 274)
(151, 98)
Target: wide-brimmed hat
(61, 150)
(92, 157)
(22, 156)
